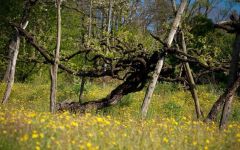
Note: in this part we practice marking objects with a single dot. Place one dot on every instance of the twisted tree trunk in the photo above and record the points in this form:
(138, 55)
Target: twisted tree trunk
(135, 82)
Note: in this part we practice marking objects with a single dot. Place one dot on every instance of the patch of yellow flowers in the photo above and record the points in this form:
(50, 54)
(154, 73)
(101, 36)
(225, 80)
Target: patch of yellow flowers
(42, 130)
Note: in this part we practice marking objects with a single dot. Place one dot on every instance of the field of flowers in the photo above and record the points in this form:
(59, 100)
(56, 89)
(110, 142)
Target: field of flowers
(25, 122)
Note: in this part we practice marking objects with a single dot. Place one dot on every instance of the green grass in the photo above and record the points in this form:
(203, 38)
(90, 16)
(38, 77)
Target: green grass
(25, 122)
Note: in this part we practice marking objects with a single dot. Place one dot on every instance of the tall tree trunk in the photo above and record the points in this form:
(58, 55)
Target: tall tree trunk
(109, 16)
(159, 65)
(10, 52)
(90, 20)
(108, 38)
(188, 69)
(81, 90)
(232, 78)
(54, 67)
(228, 96)
(83, 81)
(190, 79)
(10, 72)
(14, 49)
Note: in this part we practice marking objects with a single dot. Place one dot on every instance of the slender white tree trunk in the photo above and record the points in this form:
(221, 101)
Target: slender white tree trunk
(8, 70)
(14, 48)
(83, 80)
(90, 21)
(54, 67)
(109, 32)
(109, 16)
(13, 54)
(159, 65)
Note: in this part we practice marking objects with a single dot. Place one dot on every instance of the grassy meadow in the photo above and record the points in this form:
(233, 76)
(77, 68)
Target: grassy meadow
(25, 122)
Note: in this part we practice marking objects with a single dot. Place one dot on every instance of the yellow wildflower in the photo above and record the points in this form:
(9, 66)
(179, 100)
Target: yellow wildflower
(238, 135)
(35, 135)
(74, 124)
(207, 141)
(89, 145)
(42, 120)
(165, 140)
(37, 148)
(24, 138)
(194, 143)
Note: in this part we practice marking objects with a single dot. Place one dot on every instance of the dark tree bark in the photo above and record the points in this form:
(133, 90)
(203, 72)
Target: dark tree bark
(232, 78)
(228, 96)
(191, 79)
(135, 82)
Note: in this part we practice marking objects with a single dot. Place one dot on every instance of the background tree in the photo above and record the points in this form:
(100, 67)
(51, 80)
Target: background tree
(54, 67)
(14, 50)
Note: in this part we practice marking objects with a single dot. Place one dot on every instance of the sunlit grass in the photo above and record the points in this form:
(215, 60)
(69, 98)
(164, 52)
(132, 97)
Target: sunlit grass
(25, 122)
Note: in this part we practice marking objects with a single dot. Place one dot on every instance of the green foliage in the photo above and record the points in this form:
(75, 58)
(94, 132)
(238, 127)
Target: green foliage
(236, 114)
(208, 45)
(235, 111)
(201, 25)
(133, 35)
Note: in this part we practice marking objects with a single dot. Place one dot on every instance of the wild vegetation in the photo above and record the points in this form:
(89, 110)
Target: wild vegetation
(119, 74)
(171, 124)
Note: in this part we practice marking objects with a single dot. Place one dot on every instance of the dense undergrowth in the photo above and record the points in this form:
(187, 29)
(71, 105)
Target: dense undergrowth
(25, 122)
